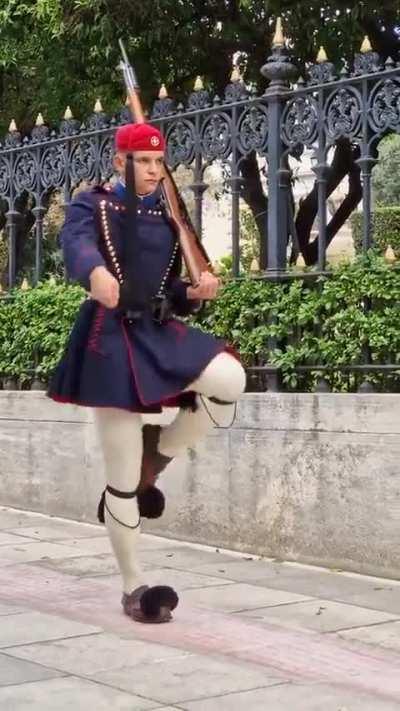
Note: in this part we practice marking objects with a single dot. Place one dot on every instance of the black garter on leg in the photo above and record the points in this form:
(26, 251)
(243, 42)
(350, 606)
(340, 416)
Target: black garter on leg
(120, 495)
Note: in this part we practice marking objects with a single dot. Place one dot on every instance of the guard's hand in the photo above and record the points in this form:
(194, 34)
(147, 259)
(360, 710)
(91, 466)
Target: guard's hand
(206, 289)
(104, 287)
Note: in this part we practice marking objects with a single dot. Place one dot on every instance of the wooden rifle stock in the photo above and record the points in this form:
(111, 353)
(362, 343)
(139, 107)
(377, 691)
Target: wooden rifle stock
(194, 255)
(193, 252)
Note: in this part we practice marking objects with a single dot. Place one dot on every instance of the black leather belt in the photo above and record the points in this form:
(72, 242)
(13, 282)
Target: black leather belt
(159, 308)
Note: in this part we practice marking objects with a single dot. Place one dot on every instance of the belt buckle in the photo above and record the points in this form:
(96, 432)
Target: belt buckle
(160, 309)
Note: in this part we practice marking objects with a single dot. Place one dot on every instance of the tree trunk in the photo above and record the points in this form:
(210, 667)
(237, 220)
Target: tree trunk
(343, 164)
(253, 194)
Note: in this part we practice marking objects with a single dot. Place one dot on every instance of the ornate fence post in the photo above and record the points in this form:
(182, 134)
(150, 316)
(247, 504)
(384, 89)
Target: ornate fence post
(279, 70)
(13, 140)
(39, 135)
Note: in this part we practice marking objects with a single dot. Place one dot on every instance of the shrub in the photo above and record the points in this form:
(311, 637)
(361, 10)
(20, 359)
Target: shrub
(385, 229)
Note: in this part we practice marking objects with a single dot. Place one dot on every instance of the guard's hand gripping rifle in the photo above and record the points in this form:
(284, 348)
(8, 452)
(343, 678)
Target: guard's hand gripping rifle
(194, 255)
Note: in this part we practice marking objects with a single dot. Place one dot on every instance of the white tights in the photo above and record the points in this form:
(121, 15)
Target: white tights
(120, 434)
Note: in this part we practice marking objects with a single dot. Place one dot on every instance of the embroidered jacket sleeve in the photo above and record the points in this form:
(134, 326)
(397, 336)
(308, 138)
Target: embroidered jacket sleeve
(79, 239)
(181, 305)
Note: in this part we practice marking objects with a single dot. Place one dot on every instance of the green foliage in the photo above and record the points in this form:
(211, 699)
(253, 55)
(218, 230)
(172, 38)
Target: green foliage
(34, 326)
(386, 175)
(295, 323)
(249, 247)
(55, 53)
(385, 229)
(283, 324)
(249, 240)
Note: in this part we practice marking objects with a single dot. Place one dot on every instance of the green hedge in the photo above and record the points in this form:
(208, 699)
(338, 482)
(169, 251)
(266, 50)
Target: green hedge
(385, 229)
(321, 323)
(34, 326)
(325, 323)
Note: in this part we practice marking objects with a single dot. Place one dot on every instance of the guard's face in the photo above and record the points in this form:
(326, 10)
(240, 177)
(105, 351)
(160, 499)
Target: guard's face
(148, 169)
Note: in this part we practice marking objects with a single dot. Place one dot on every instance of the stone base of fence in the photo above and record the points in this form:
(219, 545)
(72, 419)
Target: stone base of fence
(305, 477)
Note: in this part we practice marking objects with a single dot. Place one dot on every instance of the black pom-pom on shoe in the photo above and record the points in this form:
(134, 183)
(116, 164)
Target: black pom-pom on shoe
(156, 601)
(151, 502)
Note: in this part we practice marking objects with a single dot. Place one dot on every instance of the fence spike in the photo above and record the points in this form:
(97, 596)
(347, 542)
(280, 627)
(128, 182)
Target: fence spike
(198, 85)
(68, 114)
(13, 126)
(39, 120)
(279, 39)
(390, 256)
(366, 45)
(322, 56)
(235, 76)
(300, 261)
(254, 266)
(98, 109)
(163, 93)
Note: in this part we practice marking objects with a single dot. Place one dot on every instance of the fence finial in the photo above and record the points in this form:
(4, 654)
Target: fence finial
(322, 56)
(366, 45)
(13, 126)
(235, 76)
(98, 109)
(163, 93)
(39, 120)
(279, 39)
(198, 85)
(254, 266)
(68, 114)
(390, 256)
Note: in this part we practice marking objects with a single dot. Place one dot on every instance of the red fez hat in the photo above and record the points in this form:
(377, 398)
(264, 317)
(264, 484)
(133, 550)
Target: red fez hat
(139, 137)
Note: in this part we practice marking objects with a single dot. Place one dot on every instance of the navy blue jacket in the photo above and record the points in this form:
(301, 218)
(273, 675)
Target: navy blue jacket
(110, 362)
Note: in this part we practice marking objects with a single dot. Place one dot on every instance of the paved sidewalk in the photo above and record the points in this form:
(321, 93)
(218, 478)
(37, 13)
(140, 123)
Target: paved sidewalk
(249, 634)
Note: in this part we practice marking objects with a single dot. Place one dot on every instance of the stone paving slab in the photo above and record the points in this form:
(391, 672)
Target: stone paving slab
(69, 694)
(320, 615)
(28, 627)
(183, 557)
(293, 697)
(14, 518)
(85, 566)
(10, 539)
(183, 579)
(189, 677)
(89, 655)
(59, 530)
(365, 591)
(386, 635)
(87, 546)
(239, 596)
(17, 671)
(35, 550)
(289, 653)
(383, 597)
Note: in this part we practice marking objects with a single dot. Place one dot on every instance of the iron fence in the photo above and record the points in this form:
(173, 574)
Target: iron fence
(324, 111)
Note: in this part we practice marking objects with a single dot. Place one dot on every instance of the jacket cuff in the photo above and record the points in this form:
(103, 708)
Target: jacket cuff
(85, 267)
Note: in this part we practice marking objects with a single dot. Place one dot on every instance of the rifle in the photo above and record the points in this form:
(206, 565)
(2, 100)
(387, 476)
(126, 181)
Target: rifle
(194, 255)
